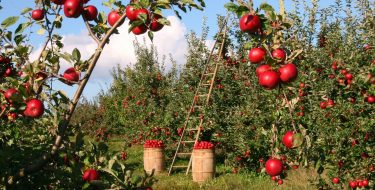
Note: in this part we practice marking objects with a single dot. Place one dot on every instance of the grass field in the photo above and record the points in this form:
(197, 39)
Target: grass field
(224, 180)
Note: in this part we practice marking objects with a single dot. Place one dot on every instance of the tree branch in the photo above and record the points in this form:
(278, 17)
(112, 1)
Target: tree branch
(41, 162)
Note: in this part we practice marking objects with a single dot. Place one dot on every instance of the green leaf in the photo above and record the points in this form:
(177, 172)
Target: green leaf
(26, 10)
(76, 55)
(151, 35)
(22, 27)
(231, 7)
(297, 140)
(266, 7)
(9, 21)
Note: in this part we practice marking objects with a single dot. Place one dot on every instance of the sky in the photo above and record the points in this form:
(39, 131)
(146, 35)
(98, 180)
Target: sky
(170, 40)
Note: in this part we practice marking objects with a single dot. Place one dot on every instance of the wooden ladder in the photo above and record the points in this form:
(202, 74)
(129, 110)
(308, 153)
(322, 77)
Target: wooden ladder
(207, 81)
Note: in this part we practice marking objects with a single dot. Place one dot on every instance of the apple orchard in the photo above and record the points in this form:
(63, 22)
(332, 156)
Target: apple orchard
(294, 91)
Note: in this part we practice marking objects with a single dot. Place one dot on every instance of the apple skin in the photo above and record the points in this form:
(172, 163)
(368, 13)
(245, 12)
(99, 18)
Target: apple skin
(131, 13)
(288, 139)
(113, 17)
(288, 72)
(141, 29)
(71, 75)
(279, 54)
(9, 93)
(58, 2)
(34, 108)
(336, 180)
(155, 25)
(250, 23)
(37, 14)
(90, 175)
(73, 8)
(370, 99)
(143, 11)
(274, 167)
(257, 55)
(269, 79)
(90, 12)
(262, 68)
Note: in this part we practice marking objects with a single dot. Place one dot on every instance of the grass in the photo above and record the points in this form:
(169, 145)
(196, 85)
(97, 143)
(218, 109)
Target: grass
(224, 180)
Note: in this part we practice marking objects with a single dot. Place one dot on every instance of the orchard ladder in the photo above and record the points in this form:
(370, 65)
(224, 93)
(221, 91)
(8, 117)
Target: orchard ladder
(203, 92)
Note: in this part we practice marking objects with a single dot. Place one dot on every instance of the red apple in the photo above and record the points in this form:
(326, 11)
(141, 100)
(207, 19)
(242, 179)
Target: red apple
(34, 108)
(257, 55)
(371, 99)
(9, 94)
(131, 13)
(85, 1)
(155, 25)
(143, 11)
(279, 54)
(90, 175)
(262, 68)
(353, 184)
(113, 17)
(335, 180)
(58, 2)
(73, 8)
(141, 29)
(323, 105)
(365, 183)
(288, 72)
(348, 76)
(330, 103)
(280, 182)
(250, 23)
(90, 12)
(274, 167)
(37, 14)
(269, 79)
(71, 75)
(288, 139)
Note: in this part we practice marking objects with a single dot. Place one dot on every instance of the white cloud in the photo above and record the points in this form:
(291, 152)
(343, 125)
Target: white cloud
(120, 50)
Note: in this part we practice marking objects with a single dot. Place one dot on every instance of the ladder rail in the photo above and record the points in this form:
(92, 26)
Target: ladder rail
(224, 27)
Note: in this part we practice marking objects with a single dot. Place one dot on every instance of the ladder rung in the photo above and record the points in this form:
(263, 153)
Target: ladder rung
(179, 166)
(188, 141)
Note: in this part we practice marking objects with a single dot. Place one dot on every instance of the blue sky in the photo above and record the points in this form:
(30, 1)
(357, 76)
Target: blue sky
(74, 31)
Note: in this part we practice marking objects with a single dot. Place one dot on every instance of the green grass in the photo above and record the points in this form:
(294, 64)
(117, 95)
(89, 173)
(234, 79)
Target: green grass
(224, 180)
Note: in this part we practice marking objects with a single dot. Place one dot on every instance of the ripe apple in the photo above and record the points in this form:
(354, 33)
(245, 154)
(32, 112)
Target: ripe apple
(12, 116)
(113, 17)
(90, 12)
(37, 14)
(73, 8)
(344, 71)
(250, 23)
(330, 103)
(348, 76)
(262, 68)
(90, 175)
(323, 105)
(335, 180)
(371, 99)
(279, 54)
(288, 72)
(131, 13)
(141, 29)
(280, 182)
(365, 183)
(71, 75)
(155, 25)
(34, 108)
(353, 184)
(85, 1)
(269, 79)
(288, 139)
(9, 94)
(257, 55)
(58, 2)
(274, 167)
(144, 12)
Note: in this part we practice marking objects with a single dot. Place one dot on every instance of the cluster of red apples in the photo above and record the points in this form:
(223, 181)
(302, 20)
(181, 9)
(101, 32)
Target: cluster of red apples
(153, 144)
(203, 145)
(268, 77)
(76, 8)
(16, 105)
